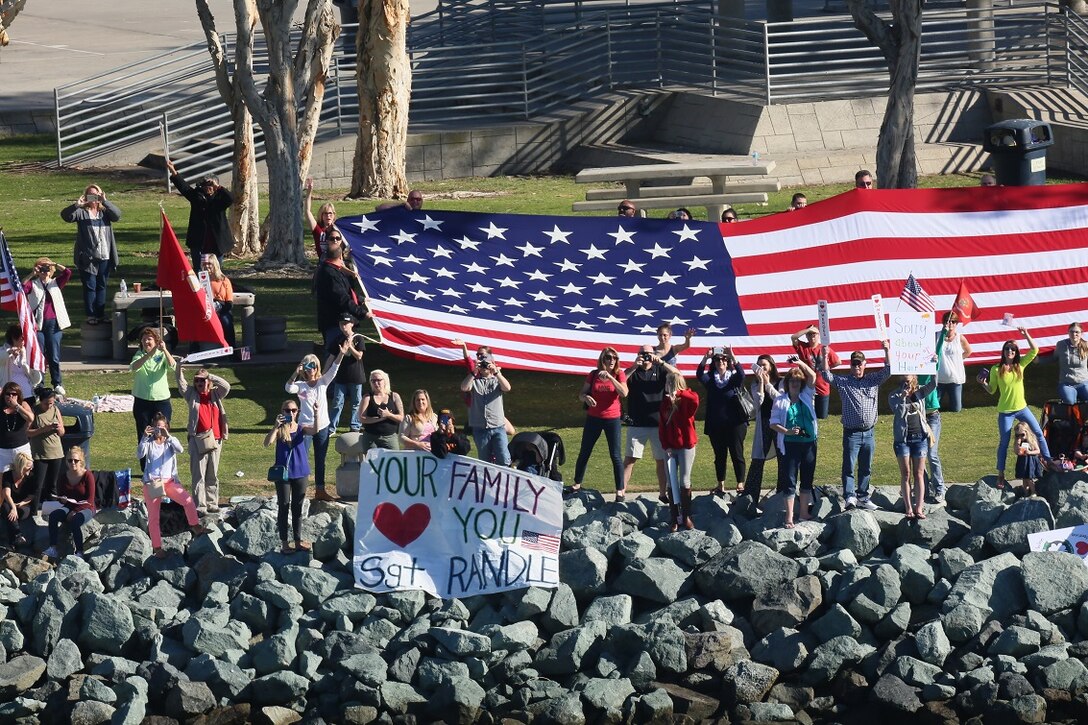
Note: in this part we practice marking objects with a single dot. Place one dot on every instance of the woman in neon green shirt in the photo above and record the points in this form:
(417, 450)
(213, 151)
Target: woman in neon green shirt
(1006, 379)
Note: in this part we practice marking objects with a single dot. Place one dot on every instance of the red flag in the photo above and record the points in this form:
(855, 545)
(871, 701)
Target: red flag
(193, 309)
(964, 307)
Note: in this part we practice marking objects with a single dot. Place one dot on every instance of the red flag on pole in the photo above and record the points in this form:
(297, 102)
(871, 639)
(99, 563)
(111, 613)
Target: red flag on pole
(193, 309)
(964, 307)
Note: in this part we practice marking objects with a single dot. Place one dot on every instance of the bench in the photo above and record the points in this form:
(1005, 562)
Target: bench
(721, 194)
(615, 194)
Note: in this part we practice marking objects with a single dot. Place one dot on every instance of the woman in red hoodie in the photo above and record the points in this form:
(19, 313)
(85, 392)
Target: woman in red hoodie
(676, 428)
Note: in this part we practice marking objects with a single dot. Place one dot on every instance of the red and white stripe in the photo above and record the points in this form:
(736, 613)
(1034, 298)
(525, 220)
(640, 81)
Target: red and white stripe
(13, 298)
(1021, 250)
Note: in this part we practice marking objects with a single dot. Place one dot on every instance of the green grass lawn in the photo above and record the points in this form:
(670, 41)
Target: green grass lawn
(30, 217)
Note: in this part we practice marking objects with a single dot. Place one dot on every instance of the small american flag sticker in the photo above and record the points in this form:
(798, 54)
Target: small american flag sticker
(540, 542)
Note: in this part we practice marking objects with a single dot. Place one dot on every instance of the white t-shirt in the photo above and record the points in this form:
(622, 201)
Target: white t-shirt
(310, 394)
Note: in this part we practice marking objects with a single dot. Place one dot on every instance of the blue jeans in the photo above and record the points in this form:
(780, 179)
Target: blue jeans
(857, 445)
(935, 474)
(337, 393)
(591, 432)
(94, 289)
(321, 448)
(951, 396)
(1005, 423)
(912, 447)
(821, 403)
(492, 443)
(1073, 393)
(49, 338)
(798, 462)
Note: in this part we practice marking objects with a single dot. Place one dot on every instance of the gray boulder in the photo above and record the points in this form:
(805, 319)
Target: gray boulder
(935, 532)
(716, 651)
(584, 571)
(278, 688)
(657, 579)
(615, 609)
(562, 611)
(932, 643)
(784, 649)
(1054, 580)
(1013, 537)
(1016, 642)
(461, 642)
(831, 656)
(607, 696)
(912, 563)
(858, 531)
(107, 623)
(691, 548)
(255, 536)
(896, 694)
(876, 595)
(19, 675)
(188, 699)
(802, 538)
(64, 660)
(749, 681)
(315, 585)
(787, 606)
(91, 712)
(836, 622)
(399, 698)
(990, 589)
(745, 571)
(566, 651)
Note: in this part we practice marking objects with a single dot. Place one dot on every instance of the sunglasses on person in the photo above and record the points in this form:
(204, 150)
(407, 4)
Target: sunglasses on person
(624, 207)
(74, 461)
(609, 357)
(290, 410)
(335, 239)
(857, 363)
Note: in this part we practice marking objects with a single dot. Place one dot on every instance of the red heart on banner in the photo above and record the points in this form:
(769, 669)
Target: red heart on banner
(401, 528)
(1082, 548)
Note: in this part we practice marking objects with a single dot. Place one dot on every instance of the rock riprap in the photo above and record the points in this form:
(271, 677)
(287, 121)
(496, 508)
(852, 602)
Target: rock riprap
(860, 614)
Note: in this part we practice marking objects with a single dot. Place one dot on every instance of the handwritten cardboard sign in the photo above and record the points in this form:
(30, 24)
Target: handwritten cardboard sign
(455, 526)
(1073, 539)
(911, 336)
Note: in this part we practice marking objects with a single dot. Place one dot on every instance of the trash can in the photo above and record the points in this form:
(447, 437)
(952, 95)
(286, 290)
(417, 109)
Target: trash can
(78, 428)
(1018, 151)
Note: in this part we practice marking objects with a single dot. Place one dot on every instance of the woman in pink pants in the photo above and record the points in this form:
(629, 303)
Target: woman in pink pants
(160, 450)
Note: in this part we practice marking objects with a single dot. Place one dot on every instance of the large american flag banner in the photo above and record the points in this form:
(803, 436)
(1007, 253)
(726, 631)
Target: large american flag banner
(14, 299)
(547, 293)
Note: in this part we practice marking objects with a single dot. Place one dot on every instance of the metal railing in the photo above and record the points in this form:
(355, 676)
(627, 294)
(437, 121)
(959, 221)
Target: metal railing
(671, 46)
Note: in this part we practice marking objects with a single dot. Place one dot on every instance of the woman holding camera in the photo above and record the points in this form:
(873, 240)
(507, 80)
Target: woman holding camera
(726, 421)
(151, 386)
(764, 391)
(43, 291)
(600, 394)
(222, 296)
(160, 450)
(419, 423)
(46, 447)
(293, 468)
(95, 249)
(676, 428)
(312, 389)
(793, 417)
(75, 493)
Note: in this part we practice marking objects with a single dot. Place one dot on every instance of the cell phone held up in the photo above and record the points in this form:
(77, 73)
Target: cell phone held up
(91, 198)
(984, 376)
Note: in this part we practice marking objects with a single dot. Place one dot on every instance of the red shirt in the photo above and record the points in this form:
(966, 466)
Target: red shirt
(606, 396)
(808, 354)
(82, 490)
(207, 417)
(676, 429)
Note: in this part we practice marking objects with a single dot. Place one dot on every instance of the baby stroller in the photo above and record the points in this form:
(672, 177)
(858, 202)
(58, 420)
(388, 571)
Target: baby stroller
(538, 453)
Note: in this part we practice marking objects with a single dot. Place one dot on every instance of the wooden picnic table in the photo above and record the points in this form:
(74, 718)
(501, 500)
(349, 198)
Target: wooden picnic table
(244, 311)
(721, 194)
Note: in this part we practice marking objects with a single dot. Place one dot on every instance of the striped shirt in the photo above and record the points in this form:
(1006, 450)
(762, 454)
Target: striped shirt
(859, 396)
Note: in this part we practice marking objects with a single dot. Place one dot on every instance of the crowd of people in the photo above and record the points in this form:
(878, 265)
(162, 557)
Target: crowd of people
(783, 410)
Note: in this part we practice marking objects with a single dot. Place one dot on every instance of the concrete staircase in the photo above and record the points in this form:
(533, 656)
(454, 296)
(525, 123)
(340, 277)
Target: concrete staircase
(812, 143)
(1066, 110)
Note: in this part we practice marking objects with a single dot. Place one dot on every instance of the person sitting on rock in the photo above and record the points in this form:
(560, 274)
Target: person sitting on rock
(160, 450)
(75, 492)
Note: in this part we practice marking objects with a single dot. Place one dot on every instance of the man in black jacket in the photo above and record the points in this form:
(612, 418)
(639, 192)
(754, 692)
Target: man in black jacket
(208, 231)
(337, 289)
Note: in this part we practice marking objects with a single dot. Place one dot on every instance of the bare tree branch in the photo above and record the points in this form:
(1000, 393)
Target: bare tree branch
(875, 28)
(215, 50)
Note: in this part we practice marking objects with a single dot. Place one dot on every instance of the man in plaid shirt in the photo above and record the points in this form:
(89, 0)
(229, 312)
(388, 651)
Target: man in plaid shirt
(858, 392)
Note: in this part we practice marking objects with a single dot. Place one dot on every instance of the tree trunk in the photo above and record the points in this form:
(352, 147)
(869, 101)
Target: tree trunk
(385, 86)
(8, 10)
(900, 41)
(245, 217)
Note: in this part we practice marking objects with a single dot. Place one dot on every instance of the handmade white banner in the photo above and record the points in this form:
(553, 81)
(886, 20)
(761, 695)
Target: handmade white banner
(1073, 540)
(911, 336)
(454, 526)
(878, 317)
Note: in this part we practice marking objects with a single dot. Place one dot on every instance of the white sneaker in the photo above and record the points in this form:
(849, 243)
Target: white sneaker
(851, 503)
(60, 391)
(865, 503)
(50, 553)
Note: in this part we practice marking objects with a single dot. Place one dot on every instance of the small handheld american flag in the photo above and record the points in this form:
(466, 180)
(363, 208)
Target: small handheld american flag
(13, 298)
(916, 297)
